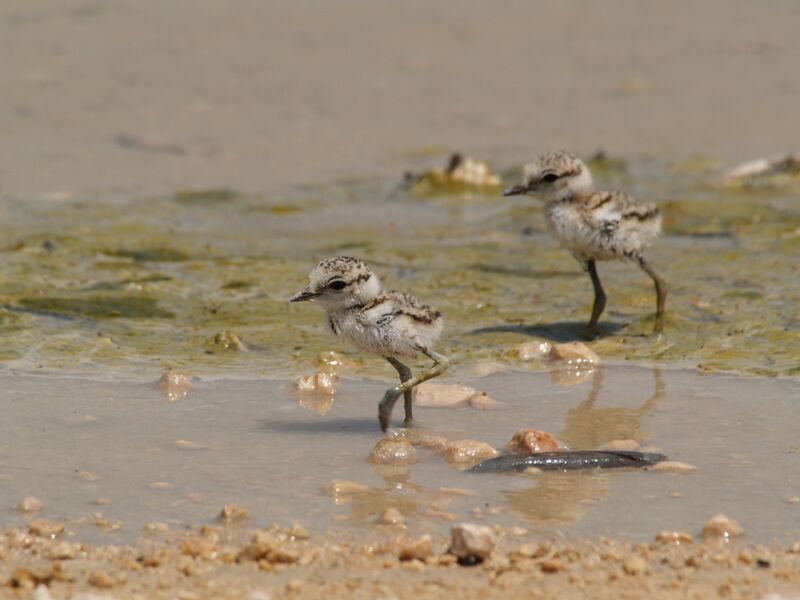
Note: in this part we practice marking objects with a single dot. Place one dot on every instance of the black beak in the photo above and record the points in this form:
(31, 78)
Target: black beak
(303, 296)
(516, 190)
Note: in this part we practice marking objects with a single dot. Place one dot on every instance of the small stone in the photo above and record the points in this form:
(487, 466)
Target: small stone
(443, 395)
(552, 565)
(418, 549)
(299, 532)
(160, 485)
(294, 586)
(30, 504)
(284, 556)
(231, 513)
(635, 566)
(227, 340)
(530, 441)
(64, 551)
(391, 516)
(466, 452)
(575, 354)
(673, 466)
(536, 350)
(469, 539)
(793, 499)
(483, 401)
(722, 527)
(337, 488)
(198, 547)
(393, 451)
(532, 471)
(101, 579)
(175, 385)
(484, 369)
(45, 528)
(187, 445)
(673, 537)
(624, 445)
(88, 476)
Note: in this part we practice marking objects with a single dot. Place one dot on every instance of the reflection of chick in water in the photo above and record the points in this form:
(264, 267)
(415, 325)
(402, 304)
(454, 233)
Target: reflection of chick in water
(587, 427)
(562, 496)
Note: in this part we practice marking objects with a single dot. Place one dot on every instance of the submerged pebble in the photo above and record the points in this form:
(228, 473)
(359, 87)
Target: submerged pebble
(443, 395)
(393, 451)
(629, 445)
(174, 385)
(468, 452)
(316, 392)
(674, 537)
(722, 527)
(575, 354)
(391, 516)
(30, 504)
(673, 466)
(231, 513)
(418, 549)
(338, 488)
(536, 350)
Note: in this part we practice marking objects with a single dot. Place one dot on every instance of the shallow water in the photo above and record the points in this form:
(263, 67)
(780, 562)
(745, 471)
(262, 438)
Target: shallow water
(254, 446)
(110, 286)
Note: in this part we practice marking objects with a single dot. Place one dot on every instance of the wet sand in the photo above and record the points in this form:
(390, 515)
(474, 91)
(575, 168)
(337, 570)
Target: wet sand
(144, 98)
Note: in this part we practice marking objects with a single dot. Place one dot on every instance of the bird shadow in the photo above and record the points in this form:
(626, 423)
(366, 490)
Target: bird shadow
(350, 426)
(561, 331)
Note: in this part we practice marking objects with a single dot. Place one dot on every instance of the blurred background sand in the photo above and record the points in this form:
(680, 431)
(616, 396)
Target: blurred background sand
(146, 97)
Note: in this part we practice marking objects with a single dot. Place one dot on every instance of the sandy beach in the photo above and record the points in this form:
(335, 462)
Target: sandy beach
(170, 172)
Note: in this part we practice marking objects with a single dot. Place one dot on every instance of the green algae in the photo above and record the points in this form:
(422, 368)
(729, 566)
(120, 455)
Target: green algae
(168, 284)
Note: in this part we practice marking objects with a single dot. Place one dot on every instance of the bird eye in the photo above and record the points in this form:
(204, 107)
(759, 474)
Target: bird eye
(550, 177)
(337, 285)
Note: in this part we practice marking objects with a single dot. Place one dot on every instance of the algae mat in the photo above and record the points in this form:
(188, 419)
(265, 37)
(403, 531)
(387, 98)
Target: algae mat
(110, 286)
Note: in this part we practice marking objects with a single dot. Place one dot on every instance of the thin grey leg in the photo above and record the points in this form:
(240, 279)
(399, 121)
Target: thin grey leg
(661, 293)
(599, 304)
(408, 395)
(440, 364)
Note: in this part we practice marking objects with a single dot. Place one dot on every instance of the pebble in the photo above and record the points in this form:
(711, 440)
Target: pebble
(722, 526)
(530, 441)
(635, 566)
(45, 528)
(231, 513)
(298, 532)
(484, 369)
(188, 445)
(463, 452)
(393, 451)
(160, 485)
(536, 350)
(574, 354)
(333, 362)
(625, 445)
(443, 395)
(101, 579)
(88, 476)
(469, 539)
(337, 488)
(227, 340)
(30, 504)
(673, 466)
(418, 549)
(174, 385)
(483, 401)
(673, 537)
(391, 516)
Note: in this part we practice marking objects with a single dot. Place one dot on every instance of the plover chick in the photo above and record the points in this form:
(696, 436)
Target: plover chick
(593, 225)
(384, 322)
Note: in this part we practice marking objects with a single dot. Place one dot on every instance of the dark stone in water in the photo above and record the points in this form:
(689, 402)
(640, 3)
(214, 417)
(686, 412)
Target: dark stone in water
(571, 460)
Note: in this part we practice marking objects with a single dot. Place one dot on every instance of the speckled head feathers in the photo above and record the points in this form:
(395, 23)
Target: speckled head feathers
(340, 282)
(554, 175)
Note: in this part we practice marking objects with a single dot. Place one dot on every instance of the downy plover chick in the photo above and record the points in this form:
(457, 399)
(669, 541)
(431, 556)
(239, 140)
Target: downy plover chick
(384, 322)
(593, 225)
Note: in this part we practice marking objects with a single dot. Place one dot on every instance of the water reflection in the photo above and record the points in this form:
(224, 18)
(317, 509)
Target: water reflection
(559, 496)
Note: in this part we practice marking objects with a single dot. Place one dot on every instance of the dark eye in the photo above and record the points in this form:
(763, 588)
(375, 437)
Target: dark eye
(337, 285)
(549, 178)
